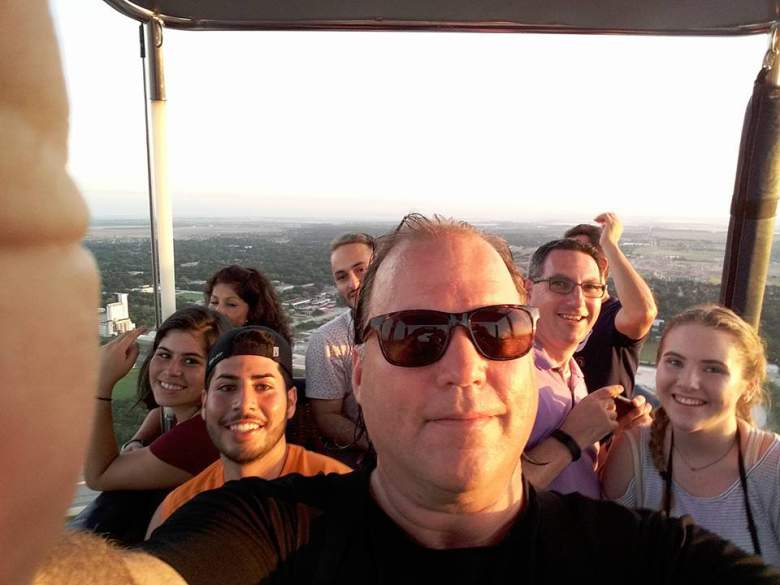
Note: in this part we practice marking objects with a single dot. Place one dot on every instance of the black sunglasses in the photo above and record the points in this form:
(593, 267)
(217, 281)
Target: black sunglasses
(419, 337)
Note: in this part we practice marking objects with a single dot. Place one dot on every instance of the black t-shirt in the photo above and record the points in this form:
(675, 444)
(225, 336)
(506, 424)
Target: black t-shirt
(609, 357)
(328, 530)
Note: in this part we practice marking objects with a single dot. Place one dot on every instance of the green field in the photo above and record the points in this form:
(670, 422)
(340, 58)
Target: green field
(647, 356)
(127, 414)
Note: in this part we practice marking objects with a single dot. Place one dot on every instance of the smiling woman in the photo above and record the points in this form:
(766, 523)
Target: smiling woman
(702, 455)
(172, 375)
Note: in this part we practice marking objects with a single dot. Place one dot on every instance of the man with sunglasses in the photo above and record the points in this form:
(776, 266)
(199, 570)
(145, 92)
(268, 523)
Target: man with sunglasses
(443, 370)
(610, 354)
(566, 283)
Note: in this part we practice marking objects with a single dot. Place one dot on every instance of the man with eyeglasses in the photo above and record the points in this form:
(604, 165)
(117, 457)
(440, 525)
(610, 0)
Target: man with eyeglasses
(566, 283)
(444, 373)
(610, 354)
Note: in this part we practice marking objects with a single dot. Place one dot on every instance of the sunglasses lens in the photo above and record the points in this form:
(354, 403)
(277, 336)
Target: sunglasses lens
(502, 333)
(414, 338)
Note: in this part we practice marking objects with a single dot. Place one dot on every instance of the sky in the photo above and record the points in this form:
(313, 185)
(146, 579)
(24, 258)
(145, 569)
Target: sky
(327, 125)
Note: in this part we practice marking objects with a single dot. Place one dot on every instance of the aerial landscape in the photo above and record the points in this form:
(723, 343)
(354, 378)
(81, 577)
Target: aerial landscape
(682, 263)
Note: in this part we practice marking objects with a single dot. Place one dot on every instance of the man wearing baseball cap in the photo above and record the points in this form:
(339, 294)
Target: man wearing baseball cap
(249, 398)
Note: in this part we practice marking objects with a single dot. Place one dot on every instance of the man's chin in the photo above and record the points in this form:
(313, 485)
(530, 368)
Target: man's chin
(242, 456)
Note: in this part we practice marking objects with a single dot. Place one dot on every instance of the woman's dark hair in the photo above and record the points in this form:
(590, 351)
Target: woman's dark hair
(257, 292)
(193, 319)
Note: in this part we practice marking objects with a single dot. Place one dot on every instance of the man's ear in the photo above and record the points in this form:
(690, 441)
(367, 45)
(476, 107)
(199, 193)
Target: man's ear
(203, 396)
(292, 401)
(357, 371)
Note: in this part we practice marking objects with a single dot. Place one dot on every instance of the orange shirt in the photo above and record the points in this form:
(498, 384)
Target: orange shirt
(298, 460)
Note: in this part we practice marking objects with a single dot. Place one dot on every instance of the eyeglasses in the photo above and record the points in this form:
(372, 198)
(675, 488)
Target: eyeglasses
(419, 337)
(563, 286)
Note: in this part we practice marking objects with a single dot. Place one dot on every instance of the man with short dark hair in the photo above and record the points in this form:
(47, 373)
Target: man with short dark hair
(249, 396)
(566, 283)
(444, 374)
(329, 356)
(610, 355)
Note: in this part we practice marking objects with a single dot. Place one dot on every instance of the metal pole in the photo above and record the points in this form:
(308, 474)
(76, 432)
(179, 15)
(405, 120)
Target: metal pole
(152, 221)
(754, 204)
(161, 202)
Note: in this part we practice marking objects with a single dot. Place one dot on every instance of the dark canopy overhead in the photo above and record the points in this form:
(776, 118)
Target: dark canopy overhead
(691, 17)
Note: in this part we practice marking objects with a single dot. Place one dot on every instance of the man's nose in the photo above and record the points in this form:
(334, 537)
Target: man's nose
(245, 399)
(354, 281)
(574, 298)
(461, 365)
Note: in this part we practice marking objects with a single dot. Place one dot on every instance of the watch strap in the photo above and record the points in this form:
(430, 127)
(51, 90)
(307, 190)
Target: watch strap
(567, 441)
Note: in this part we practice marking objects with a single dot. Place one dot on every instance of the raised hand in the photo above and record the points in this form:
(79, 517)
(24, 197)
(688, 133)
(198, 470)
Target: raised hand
(611, 228)
(116, 359)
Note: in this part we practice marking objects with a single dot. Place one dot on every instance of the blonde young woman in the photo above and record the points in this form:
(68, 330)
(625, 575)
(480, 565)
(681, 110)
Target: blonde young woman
(703, 456)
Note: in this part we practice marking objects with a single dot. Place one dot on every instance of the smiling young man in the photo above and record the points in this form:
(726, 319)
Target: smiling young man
(329, 355)
(248, 400)
(566, 283)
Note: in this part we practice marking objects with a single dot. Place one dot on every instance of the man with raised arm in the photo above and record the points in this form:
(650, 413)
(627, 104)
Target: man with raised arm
(566, 283)
(610, 354)
(249, 398)
(329, 356)
(443, 370)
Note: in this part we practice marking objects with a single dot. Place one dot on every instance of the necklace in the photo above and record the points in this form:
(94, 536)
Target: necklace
(700, 467)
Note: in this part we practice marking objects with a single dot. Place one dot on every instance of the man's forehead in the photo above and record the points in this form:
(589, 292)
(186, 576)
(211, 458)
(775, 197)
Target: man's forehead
(571, 263)
(246, 365)
(458, 268)
(347, 254)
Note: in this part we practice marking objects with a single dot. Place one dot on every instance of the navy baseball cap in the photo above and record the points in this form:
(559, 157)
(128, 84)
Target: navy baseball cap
(250, 340)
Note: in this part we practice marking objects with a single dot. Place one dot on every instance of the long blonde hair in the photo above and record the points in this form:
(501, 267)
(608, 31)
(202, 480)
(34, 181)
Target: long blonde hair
(752, 359)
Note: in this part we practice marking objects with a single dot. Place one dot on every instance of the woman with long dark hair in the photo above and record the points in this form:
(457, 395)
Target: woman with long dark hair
(172, 376)
(246, 297)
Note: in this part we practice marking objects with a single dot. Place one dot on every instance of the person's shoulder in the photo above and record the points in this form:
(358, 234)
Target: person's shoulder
(762, 446)
(308, 462)
(605, 521)
(314, 490)
(337, 328)
(574, 528)
(609, 310)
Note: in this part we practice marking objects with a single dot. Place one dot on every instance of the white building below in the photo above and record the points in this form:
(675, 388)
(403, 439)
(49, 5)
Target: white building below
(115, 318)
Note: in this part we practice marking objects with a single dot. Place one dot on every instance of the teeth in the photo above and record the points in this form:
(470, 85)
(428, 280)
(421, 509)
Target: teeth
(244, 427)
(688, 401)
(571, 317)
(168, 386)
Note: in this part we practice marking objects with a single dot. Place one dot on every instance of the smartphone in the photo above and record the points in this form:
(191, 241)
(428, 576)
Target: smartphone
(623, 406)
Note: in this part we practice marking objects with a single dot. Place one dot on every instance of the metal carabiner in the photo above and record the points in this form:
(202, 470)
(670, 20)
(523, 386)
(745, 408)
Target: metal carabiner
(774, 43)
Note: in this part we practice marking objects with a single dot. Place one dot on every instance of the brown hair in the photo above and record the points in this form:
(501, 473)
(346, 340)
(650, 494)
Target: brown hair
(208, 324)
(590, 231)
(752, 359)
(416, 226)
(353, 238)
(536, 266)
(256, 291)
